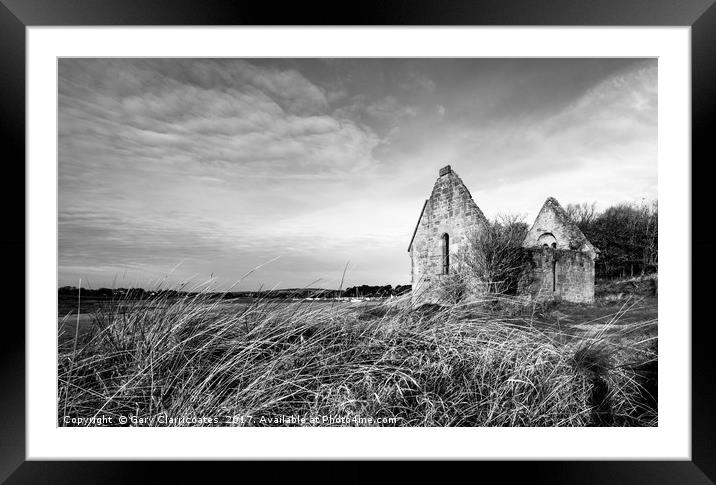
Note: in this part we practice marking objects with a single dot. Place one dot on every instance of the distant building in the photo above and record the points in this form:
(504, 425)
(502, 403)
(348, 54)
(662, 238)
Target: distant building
(560, 259)
(447, 218)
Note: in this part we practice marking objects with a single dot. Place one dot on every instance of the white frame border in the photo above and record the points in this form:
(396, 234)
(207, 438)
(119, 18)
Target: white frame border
(670, 440)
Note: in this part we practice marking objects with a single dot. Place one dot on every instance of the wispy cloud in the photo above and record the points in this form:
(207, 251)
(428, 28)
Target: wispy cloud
(224, 164)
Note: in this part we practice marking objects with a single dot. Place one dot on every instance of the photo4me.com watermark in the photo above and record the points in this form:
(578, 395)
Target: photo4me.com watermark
(225, 420)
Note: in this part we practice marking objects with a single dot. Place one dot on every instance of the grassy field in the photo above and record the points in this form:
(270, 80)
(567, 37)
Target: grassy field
(496, 362)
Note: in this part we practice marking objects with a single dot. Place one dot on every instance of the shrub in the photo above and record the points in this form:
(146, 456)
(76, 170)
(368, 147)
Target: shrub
(494, 256)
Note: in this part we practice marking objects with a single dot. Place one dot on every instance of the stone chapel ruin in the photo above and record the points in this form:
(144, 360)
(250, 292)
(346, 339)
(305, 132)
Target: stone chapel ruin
(559, 258)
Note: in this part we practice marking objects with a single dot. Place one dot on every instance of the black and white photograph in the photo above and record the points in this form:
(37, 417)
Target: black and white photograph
(391, 242)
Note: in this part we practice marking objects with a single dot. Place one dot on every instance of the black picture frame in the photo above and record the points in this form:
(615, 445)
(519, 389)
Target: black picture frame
(16, 15)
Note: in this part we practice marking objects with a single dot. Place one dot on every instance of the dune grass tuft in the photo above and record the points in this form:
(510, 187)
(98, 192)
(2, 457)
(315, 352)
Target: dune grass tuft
(197, 360)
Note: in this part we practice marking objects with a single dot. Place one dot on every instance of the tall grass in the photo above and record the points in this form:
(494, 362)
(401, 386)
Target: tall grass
(203, 361)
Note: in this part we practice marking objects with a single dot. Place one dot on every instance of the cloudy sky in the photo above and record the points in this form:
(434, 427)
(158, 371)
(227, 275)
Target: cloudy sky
(190, 169)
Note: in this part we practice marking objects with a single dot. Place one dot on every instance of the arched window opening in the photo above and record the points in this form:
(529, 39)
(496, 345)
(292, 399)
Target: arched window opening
(446, 254)
(554, 275)
(547, 239)
(554, 245)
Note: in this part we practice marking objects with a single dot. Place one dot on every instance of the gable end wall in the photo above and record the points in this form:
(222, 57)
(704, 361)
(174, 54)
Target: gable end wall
(450, 209)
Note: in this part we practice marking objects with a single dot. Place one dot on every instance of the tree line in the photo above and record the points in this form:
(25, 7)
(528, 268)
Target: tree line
(626, 234)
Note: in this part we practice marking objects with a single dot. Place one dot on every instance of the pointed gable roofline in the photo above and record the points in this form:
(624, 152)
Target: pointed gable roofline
(415, 231)
(455, 179)
(571, 235)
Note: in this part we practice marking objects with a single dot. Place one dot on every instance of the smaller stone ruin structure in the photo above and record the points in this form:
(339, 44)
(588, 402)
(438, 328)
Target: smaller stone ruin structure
(560, 258)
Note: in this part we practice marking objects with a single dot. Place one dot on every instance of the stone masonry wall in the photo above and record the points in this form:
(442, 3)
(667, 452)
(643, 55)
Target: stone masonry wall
(449, 210)
(553, 220)
(570, 279)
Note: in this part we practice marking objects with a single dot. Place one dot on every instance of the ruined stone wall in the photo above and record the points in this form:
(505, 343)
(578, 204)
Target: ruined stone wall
(449, 210)
(558, 274)
(552, 220)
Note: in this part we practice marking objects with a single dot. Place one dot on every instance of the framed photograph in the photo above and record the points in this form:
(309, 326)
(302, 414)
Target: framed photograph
(416, 234)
